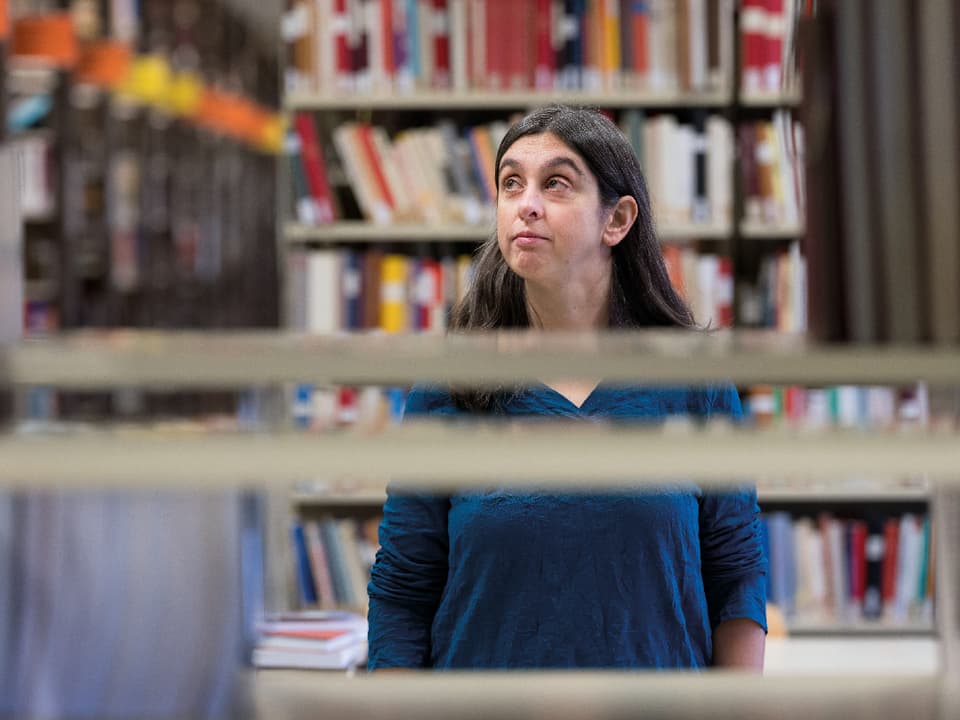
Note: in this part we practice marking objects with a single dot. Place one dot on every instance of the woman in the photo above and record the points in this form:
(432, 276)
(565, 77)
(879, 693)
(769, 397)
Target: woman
(664, 578)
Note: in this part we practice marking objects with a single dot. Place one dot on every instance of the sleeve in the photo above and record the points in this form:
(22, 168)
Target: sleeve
(733, 561)
(410, 569)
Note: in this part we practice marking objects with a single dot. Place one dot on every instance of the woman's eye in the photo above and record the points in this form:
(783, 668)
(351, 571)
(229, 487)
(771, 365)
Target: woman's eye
(556, 183)
(509, 183)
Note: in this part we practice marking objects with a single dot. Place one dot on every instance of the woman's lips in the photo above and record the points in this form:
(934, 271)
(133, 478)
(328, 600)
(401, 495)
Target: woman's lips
(527, 241)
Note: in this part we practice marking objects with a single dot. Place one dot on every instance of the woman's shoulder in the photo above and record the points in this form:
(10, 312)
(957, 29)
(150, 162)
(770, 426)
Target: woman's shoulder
(425, 399)
(716, 399)
(702, 401)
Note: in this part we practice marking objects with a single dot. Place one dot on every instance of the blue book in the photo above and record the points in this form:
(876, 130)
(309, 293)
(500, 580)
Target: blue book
(352, 293)
(305, 585)
(414, 39)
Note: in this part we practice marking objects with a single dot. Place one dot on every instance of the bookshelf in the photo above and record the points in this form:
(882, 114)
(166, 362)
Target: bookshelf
(145, 153)
(335, 82)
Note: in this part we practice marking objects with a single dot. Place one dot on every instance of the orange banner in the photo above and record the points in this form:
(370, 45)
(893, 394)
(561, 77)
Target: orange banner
(48, 37)
(4, 20)
(104, 64)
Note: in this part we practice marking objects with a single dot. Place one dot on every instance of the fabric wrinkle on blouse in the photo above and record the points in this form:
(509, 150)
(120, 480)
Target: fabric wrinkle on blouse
(628, 579)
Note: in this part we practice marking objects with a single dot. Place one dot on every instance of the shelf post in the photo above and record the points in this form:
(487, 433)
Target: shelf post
(946, 523)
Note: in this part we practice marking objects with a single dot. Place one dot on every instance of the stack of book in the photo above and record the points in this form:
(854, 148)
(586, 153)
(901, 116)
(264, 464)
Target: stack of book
(317, 640)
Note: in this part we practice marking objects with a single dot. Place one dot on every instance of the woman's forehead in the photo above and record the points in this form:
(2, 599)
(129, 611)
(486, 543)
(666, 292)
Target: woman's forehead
(532, 151)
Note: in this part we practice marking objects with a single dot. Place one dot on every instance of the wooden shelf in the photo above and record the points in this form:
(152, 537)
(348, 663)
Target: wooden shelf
(819, 493)
(358, 231)
(860, 629)
(159, 359)
(756, 230)
(441, 458)
(448, 100)
(841, 492)
(773, 100)
(882, 694)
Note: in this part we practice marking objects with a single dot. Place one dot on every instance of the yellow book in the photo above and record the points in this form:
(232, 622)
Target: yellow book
(610, 10)
(393, 293)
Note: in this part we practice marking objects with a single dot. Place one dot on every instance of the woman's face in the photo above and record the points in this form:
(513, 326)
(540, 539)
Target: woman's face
(550, 224)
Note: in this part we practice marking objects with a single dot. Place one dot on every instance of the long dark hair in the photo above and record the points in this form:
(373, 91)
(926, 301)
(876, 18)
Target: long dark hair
(641, 294)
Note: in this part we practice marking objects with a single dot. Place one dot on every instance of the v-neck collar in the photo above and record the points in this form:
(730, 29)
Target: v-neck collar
(560, 398)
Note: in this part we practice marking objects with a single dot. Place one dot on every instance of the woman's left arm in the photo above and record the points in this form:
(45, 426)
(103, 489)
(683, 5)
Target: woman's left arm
(734, 563)
(739, 644)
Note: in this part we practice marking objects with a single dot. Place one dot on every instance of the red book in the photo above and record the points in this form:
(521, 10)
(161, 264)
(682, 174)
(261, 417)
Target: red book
(386, 31)
(545, 64)
(341, 31)
(494, 37)
(888, 583)
(441, 44)
(314, 167)
(375, 163)
(724, 292)
(773, 45)
(429, 294)
(639, 23)
(753, 31)
(858, 560)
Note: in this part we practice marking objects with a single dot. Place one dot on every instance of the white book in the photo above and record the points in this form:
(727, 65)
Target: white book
(682, 176)
(380, 81)
(323, 292)
(790, 213)
(458, 45)
(325, 52)
(697, 20)
(707, 272)
(478, 43)
(425, 33)
(720, 170)
(651, 164)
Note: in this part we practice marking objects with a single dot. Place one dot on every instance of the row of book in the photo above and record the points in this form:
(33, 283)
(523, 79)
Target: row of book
(428, 174)
(833, 570)
(383, 46)
(774, 299)
(771, 155)
(335, 289)
(859, 407)
(705, 281)
(332, 290)
(688, 166)
(768, 41)
(444, 174)
(333, 558)
(777, 297)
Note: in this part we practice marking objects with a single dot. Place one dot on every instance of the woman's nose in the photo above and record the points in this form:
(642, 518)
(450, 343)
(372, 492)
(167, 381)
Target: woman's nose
(531, 204)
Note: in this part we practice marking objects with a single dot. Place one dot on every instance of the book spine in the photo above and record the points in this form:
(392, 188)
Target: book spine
(440, 25)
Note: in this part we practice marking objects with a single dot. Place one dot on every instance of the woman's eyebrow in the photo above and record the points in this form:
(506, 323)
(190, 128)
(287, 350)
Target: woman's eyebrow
(559, 161)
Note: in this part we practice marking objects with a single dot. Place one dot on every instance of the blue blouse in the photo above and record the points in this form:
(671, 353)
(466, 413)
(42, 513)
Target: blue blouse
(632, 579)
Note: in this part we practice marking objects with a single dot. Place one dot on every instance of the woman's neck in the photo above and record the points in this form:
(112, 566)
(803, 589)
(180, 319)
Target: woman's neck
(572, 309)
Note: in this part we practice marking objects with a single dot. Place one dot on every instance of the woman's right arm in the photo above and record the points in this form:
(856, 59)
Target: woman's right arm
(410, 571)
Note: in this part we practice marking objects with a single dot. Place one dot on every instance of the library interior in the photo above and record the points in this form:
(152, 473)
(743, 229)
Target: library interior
(317, 287)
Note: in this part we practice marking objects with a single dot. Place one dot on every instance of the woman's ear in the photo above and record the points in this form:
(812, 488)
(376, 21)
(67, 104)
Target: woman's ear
(621, 219)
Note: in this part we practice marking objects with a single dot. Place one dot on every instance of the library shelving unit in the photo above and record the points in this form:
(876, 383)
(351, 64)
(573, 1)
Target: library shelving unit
(142, 208)
(434, 72)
